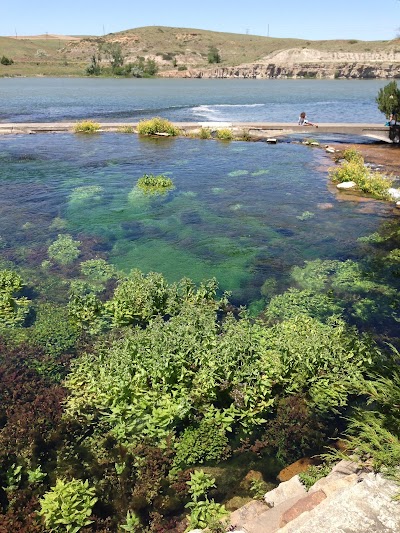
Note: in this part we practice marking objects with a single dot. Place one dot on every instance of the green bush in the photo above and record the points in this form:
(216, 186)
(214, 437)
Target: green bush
(351, 154)
(368, 181)
(213, 55)
(68, 506)
(6, 61)
(157, 125)
(87, 126)
(205, 133)
(224, 134)
(64, 250)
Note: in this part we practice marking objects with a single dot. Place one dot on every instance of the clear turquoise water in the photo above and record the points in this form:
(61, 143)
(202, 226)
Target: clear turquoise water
(242, 212)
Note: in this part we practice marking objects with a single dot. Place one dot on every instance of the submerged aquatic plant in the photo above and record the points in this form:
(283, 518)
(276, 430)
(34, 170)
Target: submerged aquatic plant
(13, 307)
(306, 215)
(86, 192)
(64, 249)
(97, 270)
(151, 184)
(236, 173)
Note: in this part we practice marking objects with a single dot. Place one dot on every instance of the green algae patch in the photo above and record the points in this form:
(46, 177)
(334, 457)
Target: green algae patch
(238, 173)
(260, 172)
(86, 193)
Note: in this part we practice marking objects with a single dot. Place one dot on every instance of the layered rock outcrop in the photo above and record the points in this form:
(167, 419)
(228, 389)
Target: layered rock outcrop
(306, 63)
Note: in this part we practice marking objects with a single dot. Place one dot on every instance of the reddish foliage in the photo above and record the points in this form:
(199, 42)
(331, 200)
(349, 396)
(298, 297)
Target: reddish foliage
(31, 404)
(21, 515)
(294, 432)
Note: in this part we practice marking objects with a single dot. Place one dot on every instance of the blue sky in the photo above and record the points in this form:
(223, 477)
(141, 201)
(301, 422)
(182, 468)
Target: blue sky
(341, 19)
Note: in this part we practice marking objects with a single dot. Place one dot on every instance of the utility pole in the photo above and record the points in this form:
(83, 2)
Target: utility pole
(16, 35)
(104, 31)
(268, 30)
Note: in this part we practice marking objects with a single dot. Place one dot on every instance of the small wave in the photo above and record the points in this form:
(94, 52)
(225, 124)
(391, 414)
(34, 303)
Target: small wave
(210, 106)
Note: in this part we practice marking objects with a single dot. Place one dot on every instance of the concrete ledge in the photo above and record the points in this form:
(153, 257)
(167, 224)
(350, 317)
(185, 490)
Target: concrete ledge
(258, 129)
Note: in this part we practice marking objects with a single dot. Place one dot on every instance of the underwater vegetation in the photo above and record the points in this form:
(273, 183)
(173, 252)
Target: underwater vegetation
(64, 250)
(87, 192)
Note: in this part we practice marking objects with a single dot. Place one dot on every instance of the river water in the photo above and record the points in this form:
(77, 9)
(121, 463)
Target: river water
(242, 212)
(64, 99)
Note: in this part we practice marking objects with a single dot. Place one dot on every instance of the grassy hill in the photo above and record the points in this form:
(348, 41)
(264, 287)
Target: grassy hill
(171, 48)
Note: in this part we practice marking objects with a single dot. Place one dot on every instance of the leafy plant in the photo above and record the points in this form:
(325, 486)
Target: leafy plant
(224, 134)
(203, 511)
(151, 184)
(68, 505)
(207, 442)
(157, 125)
(14, 308)
(366, 180)
(87, 126)
(53, 330)
(13, 477)
(36, 476)
(351, 154)
(313, 473)
(97, 270)
(132, 522)
(258, 488)
(64, 250)
(138, 298)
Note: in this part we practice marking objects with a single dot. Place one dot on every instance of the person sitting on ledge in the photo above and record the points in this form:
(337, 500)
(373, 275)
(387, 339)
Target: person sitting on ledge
(392, 120)
(303, 120)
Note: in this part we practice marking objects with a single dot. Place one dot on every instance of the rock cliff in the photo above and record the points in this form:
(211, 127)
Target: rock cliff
(306, 63)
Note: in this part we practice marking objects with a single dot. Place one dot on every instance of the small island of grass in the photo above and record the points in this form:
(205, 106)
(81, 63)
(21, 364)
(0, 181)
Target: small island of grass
(151, 184)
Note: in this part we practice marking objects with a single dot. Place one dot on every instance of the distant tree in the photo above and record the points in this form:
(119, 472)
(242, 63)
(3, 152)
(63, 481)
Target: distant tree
(6, 61)
(213, 55)
(113, 53)
(388, 99)
(94, 69)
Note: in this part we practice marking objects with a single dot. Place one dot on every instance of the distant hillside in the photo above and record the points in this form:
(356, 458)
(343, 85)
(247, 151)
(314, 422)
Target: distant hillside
(184, 52)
